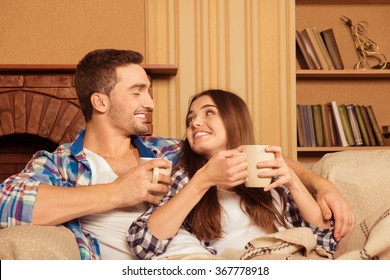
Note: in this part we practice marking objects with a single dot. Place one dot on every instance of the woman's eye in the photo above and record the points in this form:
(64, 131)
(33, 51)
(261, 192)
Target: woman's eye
(210, 112)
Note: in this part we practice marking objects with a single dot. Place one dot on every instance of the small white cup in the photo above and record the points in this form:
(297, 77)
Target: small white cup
(156, 172)
(255, 154)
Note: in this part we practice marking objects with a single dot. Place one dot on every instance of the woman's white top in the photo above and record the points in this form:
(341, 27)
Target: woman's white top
(237, 227)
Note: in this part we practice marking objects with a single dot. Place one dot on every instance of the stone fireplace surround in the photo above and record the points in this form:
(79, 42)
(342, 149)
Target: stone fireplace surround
(39, 110)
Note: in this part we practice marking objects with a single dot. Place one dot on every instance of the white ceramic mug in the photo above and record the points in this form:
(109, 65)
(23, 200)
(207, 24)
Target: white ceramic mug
(255, 154)
(156, 172)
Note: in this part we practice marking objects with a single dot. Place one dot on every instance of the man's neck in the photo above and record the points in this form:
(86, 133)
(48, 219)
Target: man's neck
(106, 141)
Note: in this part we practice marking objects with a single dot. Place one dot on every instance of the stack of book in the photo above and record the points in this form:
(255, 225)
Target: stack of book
(317, 50)
(332, 124)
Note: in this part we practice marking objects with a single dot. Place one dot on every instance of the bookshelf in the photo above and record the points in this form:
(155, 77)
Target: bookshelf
(348, 86)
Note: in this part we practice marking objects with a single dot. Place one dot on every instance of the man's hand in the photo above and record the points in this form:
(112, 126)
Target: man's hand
(331, 201)
(329, 198)
(55, 205)
(135, 186)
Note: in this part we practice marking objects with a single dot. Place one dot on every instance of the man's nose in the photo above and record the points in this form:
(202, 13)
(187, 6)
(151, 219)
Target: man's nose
(148, 102)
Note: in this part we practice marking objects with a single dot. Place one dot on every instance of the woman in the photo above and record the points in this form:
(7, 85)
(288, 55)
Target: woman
(208, 198)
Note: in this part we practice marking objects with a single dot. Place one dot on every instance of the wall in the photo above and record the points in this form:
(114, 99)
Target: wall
(242, 46)
(61, 32)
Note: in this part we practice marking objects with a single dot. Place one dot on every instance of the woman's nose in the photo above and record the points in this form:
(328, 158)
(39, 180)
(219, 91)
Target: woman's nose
(198, 121)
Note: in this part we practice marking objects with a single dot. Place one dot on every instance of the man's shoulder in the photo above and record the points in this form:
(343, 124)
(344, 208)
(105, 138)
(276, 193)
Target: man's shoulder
(61, 160)
(61, 151)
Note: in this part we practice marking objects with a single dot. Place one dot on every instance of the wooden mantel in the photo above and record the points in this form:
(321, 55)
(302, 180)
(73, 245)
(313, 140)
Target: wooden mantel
(154, 70)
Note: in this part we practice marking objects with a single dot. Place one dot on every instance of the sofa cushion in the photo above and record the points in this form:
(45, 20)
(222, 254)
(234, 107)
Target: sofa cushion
(363, 177)
(38, 243)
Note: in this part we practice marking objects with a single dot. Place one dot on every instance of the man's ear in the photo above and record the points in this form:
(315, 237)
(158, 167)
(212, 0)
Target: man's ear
(99, 102)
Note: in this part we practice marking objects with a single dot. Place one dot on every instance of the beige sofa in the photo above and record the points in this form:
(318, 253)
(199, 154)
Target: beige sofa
(362, 176)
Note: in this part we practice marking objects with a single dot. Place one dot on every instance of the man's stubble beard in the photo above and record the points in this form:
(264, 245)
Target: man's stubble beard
(137, 129)
(117, 116)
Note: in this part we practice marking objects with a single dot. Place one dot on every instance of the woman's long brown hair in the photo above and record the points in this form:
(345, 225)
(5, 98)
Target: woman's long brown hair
(205, 217)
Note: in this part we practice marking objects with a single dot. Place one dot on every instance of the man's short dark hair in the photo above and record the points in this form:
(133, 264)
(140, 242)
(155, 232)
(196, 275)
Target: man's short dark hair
(96, 72)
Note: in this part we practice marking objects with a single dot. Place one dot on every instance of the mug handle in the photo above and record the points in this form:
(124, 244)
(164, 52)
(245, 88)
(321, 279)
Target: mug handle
(156, 170)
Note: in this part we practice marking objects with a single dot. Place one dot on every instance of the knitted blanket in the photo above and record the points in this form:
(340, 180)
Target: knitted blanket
(370, 239)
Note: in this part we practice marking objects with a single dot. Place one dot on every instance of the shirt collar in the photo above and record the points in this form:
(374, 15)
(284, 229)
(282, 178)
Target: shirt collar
(78, 145)
(142, 149)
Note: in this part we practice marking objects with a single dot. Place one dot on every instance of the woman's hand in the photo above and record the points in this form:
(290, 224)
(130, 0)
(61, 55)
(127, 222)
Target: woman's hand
(280, 169)
(225, 169)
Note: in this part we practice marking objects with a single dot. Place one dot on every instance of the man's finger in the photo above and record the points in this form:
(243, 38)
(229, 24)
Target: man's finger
(326, 212)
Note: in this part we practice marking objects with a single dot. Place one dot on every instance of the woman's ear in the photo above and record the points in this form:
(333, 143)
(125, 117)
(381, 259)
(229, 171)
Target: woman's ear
(99, 102)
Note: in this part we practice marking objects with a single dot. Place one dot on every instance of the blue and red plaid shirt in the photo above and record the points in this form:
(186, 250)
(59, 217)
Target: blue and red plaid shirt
(67, 166)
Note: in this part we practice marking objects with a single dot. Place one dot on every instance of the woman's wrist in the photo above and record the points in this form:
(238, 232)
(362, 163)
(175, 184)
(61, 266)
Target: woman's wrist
(201, 182)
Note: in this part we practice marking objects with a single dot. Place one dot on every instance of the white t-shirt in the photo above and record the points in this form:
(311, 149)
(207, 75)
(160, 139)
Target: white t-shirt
(237, 227)
(110, 228)
(184, 243)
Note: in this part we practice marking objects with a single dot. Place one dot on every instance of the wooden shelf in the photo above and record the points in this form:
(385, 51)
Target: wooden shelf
(342, 74)
(338, 149)
(154, 70)
(340, 2)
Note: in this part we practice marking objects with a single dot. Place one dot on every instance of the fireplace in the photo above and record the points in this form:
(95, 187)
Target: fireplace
(39, 110)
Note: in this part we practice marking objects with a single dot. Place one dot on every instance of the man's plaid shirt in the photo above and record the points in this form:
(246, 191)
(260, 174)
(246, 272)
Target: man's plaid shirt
(67, 166)
(146, 246)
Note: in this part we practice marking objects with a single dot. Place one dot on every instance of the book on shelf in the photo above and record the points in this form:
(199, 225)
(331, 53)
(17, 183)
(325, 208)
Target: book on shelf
(362, 125)
(309, 32)
(318, 126)
(333, 130)
(346, 125)
(300, 127)
(310, 50)
(326, 124)
(354, 125)
(370, 131)
(303, 58)
(332, 124)
(339, 127)
(306, 125)
(312, 134)
(332, 47)
(386, 131)
(375, 125)
(323, 48)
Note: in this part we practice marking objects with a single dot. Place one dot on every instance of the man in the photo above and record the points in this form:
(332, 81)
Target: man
(94, 185)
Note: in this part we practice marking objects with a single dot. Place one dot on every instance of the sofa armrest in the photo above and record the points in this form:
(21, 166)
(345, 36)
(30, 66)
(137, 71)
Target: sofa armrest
(38, 243)
(363, 177)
